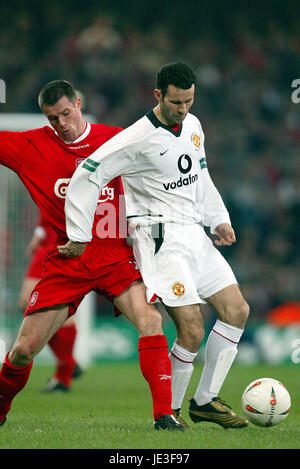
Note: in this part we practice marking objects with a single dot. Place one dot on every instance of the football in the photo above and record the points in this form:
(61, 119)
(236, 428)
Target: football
(266, 402)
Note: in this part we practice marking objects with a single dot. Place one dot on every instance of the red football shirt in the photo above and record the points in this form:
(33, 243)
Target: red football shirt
(45, 164)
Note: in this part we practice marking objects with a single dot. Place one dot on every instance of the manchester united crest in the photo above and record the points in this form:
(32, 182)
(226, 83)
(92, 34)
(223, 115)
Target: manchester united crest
(178, 289)
(196, 140)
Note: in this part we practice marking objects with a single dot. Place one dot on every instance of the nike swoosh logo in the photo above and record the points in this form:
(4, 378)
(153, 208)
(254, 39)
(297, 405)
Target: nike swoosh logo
(163, 152)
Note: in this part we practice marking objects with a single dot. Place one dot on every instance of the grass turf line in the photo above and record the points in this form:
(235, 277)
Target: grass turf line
(110, 407)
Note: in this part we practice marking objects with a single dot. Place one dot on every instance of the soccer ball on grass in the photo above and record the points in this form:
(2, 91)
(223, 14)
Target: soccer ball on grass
(266, 402)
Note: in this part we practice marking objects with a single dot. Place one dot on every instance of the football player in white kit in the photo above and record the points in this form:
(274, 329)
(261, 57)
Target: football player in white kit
(170, 198)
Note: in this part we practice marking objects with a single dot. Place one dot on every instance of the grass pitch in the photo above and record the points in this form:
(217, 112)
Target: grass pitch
(110, 407)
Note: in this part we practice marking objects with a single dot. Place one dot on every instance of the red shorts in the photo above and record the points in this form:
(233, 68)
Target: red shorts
(35, 267)
(106, 266)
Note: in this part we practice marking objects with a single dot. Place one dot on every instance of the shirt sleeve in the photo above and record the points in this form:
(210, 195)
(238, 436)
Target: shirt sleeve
(209, 202)
(114, 158)
(12, 145)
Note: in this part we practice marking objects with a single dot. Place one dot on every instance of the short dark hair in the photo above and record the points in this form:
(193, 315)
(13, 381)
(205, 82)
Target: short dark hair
(177, 74)
(54, 90)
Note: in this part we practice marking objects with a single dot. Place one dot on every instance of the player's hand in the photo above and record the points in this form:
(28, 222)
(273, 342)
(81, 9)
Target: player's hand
(226, 235)
(72, 249)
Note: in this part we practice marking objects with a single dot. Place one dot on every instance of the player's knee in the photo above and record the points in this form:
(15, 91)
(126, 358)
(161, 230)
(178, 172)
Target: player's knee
(150, 322)
(236, 313)
(245, 311)
(22, 353)
(190, 336)
(241, 313)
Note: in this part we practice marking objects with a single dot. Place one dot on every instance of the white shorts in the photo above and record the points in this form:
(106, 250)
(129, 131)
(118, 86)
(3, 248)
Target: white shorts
(180, 264)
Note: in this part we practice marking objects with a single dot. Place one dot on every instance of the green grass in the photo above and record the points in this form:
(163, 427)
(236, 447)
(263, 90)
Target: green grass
(110, 407)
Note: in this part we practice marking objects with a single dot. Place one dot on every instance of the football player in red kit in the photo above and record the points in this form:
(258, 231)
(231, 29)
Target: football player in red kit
(63, 341)
(45, 160)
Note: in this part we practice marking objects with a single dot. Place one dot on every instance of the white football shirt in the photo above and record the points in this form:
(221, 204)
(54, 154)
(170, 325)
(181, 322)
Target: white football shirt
(164, 173)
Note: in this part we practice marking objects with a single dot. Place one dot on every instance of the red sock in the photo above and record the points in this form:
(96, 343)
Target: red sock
(62, 344)
(155, 365)
(12, 380)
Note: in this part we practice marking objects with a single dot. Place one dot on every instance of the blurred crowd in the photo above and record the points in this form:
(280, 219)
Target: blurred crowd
(243, 101)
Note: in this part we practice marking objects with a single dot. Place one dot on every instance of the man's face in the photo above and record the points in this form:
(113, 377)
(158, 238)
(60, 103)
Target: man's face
(66, 118)
(174, 106)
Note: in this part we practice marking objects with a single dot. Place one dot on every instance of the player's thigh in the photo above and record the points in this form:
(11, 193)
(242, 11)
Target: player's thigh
(145, 317)
(35, 332)
(189, 325)
(230, 306)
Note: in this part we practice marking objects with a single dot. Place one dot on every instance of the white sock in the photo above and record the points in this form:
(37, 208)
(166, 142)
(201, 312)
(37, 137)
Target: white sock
(220, 351)
(182, 369)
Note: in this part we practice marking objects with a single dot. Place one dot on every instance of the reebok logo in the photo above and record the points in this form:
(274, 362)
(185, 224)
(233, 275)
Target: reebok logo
(181, 182)
(80, 146)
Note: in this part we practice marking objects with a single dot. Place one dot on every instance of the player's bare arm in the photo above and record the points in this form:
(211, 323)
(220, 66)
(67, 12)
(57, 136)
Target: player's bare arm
(226, 235)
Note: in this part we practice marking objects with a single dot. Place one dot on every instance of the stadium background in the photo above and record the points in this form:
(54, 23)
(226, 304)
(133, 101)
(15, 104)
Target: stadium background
(246, 59)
